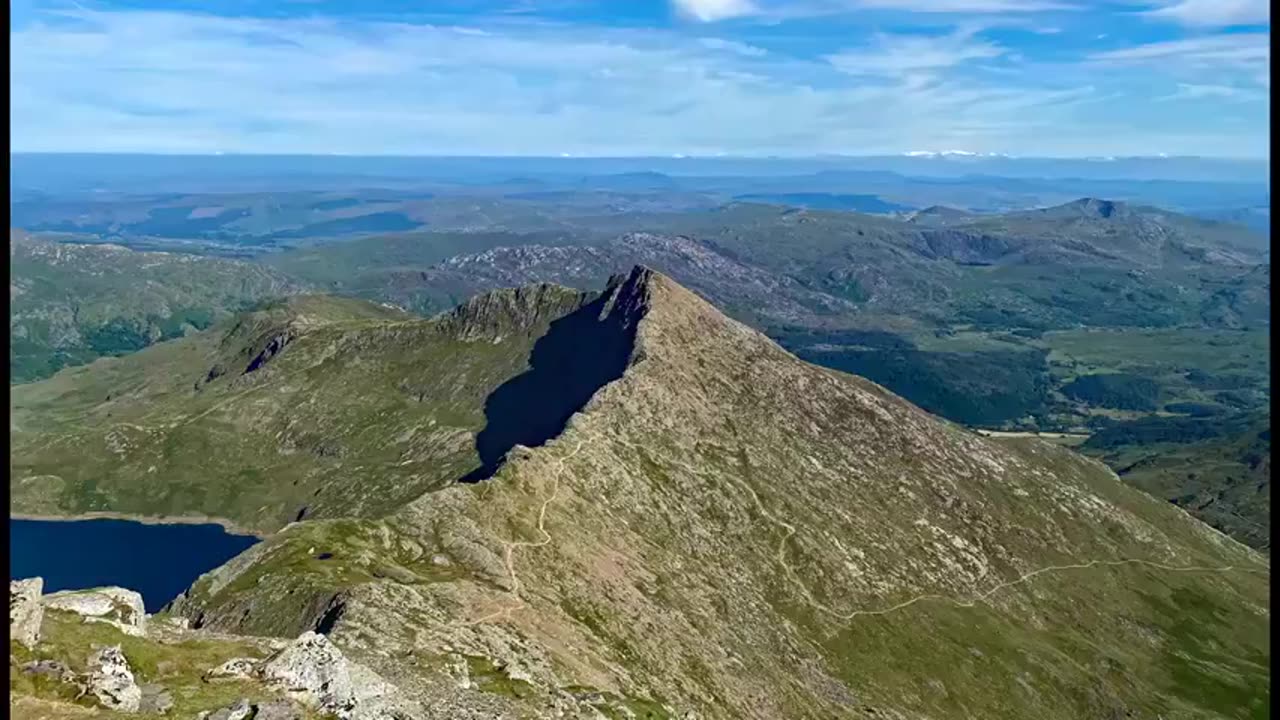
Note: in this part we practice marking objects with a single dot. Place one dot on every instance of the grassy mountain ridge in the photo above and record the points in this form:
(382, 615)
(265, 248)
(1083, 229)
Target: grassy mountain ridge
(311, 407)
(719, 527)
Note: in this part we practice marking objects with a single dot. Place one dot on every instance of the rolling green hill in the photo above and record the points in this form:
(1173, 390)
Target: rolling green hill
(71, 303)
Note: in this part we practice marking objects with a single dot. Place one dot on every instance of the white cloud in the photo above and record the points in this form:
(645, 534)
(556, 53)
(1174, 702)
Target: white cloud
(714, 10)
(894, 55)
(1215, 13)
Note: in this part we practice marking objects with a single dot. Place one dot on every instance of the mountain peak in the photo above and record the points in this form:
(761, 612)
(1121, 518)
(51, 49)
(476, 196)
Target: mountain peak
(1096, 207)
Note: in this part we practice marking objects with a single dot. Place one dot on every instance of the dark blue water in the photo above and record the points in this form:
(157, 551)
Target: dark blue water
(159, 561)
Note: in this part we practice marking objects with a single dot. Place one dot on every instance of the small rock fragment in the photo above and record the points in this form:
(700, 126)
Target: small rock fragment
(240, 710)
(155, 699)
(233, 669)
(50, 668)
(277, 710)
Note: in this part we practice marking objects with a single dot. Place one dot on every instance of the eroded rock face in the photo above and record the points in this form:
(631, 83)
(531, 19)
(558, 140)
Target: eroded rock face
(111, 681)
(314, 671)
(25, 610)
(113, 605)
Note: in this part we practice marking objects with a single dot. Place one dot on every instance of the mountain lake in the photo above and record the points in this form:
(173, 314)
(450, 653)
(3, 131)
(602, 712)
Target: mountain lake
(159, 561)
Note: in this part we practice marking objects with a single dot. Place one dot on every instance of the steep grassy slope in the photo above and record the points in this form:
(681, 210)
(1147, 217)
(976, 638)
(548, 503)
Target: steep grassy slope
(312, 407)
(72, 303)
(725, 529)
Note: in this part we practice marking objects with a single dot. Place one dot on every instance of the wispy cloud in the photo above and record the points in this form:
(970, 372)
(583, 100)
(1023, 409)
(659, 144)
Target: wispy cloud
(185, 82)
(895, 55)
(964, 6)
(1215, 13)
(1240, 51)
(776, 10)
(732, 46)
(1191, 91)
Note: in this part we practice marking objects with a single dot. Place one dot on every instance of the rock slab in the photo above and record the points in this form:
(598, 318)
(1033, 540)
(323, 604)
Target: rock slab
(116, 606)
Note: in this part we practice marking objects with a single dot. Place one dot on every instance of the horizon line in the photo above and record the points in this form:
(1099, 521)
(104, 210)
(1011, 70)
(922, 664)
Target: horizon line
(911, 155)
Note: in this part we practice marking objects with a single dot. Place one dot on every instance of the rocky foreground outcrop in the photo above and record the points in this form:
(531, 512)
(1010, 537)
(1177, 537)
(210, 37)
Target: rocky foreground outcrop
(75, 666)
(25, 610)
(116, 606)
(314, 671)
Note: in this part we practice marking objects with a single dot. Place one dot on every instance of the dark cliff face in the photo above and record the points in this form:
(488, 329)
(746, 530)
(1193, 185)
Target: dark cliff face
(580, 353)
(509, 310)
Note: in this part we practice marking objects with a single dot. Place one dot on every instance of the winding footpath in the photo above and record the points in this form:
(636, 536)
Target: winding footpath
(959, 602)
(510, 547)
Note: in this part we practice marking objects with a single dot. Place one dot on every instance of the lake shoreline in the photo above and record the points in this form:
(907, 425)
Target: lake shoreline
(229, 527)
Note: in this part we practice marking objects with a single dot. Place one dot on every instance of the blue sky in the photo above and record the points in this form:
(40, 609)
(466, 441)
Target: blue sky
(1041, 78)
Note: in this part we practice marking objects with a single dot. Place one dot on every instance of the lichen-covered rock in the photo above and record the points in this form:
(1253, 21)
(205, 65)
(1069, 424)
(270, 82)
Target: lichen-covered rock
(233, 669)
(116, 606)
(25, 610)
(111, 681)
(314, 671)
(156, 699)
